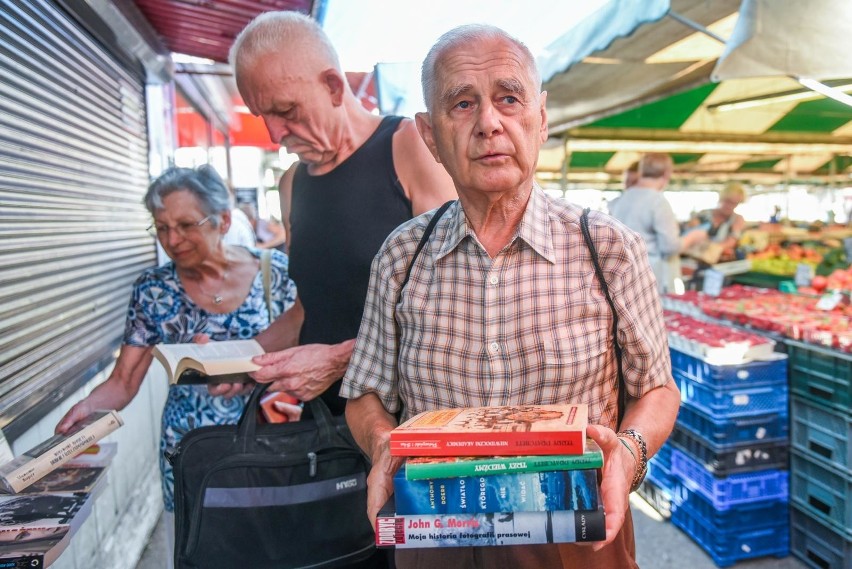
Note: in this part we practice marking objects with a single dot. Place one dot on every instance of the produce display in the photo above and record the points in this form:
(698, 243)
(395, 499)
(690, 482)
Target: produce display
(778, 260)
(714, 343)
(795, 316)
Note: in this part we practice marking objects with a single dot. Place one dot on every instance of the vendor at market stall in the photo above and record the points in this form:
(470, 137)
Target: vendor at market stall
(722, 224)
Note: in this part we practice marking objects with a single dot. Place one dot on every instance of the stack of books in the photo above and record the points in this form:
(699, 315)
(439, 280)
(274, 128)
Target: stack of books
(509, 475)
(51, 489)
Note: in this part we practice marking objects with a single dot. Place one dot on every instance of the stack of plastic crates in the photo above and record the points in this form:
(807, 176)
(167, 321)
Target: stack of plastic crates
(821, 462)
(729, 461)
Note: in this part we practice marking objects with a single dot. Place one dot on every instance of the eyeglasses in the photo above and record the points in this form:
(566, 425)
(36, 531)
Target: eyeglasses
(181, 229)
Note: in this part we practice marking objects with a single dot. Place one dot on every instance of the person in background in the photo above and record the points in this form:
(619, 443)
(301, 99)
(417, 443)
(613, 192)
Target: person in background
(270, 233)
(723, 225)
(241, 232)
(208, 288)
(630, 175)
(358, 177)
(503, 306)
(643, 208)
(776, 215)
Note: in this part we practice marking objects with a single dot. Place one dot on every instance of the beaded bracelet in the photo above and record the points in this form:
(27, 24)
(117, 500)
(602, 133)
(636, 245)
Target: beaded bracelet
(642, 465)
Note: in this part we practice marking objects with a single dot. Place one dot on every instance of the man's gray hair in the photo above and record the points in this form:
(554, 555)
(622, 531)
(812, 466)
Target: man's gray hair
(469, 34)
(203, 182)
(270, 31)
(655, 165)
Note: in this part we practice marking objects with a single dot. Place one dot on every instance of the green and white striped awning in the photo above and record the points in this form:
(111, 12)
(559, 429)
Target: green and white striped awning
(651, 90)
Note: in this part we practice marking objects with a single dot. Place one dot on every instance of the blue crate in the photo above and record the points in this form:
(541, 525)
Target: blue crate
(817, 544)
(734, 431)
(752, 373)
(664, 456)
(729, 547)
(735, 402)
(660, 473)
(730, 490)
(742, 517)
(825, 493)
(821, 432)
(741, 458)
(657, 496)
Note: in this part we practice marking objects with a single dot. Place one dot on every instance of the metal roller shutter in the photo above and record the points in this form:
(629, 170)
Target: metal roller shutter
(73, 170)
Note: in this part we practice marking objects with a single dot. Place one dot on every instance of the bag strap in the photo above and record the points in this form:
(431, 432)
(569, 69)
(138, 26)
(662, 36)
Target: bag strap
(266, 276)
(622, 386)
(423, 240)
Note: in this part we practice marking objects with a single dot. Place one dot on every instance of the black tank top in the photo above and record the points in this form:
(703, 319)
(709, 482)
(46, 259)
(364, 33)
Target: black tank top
(338, 222)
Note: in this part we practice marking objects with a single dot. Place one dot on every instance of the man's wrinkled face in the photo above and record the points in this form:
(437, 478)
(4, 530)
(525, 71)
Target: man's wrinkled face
(294, 104)
(488, 119)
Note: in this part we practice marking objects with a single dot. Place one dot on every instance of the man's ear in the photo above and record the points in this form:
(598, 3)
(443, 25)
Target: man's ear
(335, 84)
(424, 127)
(543, 132)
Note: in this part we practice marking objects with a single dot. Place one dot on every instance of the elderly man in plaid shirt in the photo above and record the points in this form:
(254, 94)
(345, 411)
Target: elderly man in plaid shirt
(503, 306)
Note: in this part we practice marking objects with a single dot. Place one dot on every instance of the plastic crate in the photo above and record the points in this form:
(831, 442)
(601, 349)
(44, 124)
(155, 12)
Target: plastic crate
(821, 432)
(723, 462)
(730, 490)
(752, 374)
(821, 374)
(660, 468)
(735, 402)
(817, 544)
(826, 493)
(759, 514)
(734, 431)
(657, 496)
(727, 548)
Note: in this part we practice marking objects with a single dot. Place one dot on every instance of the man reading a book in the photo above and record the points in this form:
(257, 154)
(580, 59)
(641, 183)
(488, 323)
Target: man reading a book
(503, 305)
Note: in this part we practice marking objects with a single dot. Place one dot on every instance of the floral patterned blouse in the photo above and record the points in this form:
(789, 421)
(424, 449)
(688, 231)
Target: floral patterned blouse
(161, 311)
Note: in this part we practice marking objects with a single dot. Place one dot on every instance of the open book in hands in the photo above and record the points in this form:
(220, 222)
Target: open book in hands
(214, 362)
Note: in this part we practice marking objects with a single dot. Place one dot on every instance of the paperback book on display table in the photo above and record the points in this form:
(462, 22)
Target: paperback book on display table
(523, 492)
(46, 457)
(489, 431)
(425, 467)
(225, 361)
(462, 530)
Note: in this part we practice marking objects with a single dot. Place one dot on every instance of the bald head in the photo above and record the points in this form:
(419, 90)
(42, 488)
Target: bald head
(289, 35)
(468, 35)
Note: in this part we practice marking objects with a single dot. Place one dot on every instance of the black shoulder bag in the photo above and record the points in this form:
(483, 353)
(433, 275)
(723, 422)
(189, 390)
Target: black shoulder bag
(271, 496)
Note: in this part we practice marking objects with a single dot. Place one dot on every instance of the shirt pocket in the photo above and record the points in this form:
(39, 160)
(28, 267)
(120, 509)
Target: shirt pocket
(579, 355)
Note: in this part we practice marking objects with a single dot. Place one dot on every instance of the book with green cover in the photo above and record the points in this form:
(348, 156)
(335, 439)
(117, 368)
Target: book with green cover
(425, 467)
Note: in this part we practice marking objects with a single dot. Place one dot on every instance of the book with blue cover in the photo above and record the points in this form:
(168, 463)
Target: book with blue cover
(519, 492)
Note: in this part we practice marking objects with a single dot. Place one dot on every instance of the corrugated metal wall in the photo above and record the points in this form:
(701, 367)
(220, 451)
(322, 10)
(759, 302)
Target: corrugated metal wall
(73, 169)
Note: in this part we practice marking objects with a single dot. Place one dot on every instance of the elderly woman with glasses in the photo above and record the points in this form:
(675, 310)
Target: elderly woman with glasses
(208, 288)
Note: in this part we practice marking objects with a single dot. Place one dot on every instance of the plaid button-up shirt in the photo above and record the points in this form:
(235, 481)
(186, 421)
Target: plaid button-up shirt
(530, 325)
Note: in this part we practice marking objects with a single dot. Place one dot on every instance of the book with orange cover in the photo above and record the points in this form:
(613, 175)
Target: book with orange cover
(500, 430)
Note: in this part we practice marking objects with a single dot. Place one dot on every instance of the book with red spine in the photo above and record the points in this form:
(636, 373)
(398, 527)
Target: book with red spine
(499, 430)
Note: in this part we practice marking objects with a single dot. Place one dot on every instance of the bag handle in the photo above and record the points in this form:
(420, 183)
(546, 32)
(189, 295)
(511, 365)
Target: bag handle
(247, 425)
(622, 385)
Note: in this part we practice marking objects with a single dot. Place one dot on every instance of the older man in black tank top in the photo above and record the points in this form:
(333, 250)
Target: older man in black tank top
(358, 177)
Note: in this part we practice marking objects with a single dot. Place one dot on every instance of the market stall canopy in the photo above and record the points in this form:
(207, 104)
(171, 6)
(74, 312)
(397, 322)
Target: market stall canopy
(652, 90)
(789, 38)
